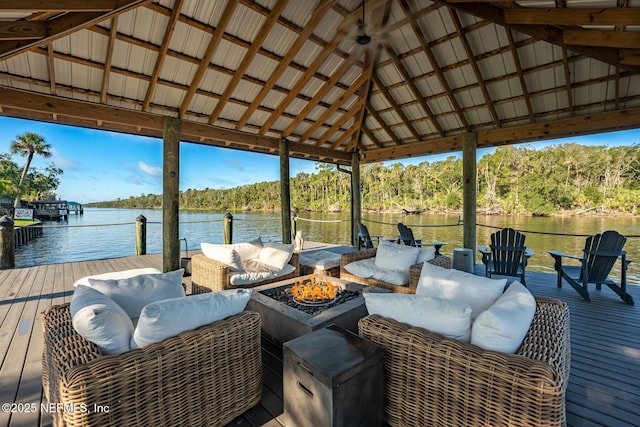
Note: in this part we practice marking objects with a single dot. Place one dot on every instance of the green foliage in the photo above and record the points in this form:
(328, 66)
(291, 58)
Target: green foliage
(511, 180)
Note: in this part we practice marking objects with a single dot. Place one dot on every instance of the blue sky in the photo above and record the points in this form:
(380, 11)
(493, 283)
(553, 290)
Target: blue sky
(101, 165)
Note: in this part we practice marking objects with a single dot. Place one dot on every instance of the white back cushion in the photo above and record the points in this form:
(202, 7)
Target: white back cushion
(248, 250)
(504, 325)
(448, 318)
(168, 318)
(479, 292)
(117, 275)
(223, 253)
(275, 254)
(99, 319)
(391, 256)
(426, 254)
(133, 293)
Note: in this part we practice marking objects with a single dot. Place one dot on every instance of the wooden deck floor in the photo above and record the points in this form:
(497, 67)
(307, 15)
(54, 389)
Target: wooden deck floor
(604, 386)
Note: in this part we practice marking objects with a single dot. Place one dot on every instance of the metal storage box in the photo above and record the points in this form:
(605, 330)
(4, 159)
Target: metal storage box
(333, 377)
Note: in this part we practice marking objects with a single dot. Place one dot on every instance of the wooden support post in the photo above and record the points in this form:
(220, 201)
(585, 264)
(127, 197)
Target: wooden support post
(170, 194)
(356, 198)
(227, 228)
(141, 235)
(469, 192)
(285, 191)
(7, 243)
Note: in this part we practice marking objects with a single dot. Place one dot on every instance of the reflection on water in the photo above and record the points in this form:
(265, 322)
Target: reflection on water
(110, 233)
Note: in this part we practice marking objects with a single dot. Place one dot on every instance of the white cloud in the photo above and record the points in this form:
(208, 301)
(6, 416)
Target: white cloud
(148, 169)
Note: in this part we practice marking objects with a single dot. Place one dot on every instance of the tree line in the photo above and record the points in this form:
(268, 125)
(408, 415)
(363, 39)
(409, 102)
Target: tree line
(513, 179)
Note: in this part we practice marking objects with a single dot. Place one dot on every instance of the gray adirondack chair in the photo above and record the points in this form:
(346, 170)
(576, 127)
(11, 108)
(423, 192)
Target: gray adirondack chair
(364, 238)
(601, 251)
(506, 256)
(406, 236)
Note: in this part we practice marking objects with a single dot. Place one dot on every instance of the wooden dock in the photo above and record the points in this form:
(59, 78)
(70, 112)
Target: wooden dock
(604, 385)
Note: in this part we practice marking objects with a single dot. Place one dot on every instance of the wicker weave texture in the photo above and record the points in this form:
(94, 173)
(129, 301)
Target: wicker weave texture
(208, 275)
(414, 271)
(205, 377)
(436, 381)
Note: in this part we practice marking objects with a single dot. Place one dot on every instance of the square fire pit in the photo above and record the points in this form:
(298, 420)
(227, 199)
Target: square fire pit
(282, 322)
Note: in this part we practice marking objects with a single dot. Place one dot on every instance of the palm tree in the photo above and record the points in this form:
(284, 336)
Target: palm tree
(28, 144)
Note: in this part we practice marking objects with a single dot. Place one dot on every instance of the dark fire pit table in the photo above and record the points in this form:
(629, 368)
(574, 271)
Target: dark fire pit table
(282, 322)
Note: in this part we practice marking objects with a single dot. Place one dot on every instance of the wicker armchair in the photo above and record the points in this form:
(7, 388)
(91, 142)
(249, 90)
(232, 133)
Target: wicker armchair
(208, 275)
(437, 381)
(205, 377)
(414, 271)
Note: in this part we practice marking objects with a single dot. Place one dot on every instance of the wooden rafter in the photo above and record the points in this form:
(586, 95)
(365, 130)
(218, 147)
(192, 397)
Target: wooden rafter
(334, 106)
(583, 125)
(436, 67)
(392, 136)
(474, 66)
(65, 25)
(372, 137)
(107, 62)
(353, 111)
(574, 16)
(547, 33)
(317, 98)
(162, 53)
(518, 64)
(616, 39)
(314, 20)
(206, 58)
(395, 107)
(52, 69)
(58, 5)
(23, 30)
(248, 58)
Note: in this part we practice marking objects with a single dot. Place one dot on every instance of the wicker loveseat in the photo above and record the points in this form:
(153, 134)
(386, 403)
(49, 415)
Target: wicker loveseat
(205, 377)
(414, 271)
(437, 381)
(209, 275)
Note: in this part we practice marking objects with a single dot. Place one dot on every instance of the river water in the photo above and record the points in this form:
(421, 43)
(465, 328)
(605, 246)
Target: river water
(110, 233)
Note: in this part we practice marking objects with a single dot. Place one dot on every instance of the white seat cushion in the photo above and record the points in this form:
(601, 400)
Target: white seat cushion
(449, 318)
(504, 325)
(99, 319)
(321, 259)
(116, 275)
(367, 269)
(255, 274)
(133, 293)
(479, 292)
(168, 318)
(394, 257)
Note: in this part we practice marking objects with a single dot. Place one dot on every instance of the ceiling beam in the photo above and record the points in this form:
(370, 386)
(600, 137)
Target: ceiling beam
(23, 30)
(67, 111)
(314, 20)
(249, 56)
(582, 125)
(518, 64)
(109, 58)
(617, 39)
(573, 17)
(57, 5)
(395, 107)
(546, 33)
(208, 54)
(65, 25)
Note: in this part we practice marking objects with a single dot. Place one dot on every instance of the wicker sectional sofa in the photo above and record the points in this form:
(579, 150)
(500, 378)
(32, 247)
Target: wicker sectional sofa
(414, 271)
(437, 381)
(204, 377)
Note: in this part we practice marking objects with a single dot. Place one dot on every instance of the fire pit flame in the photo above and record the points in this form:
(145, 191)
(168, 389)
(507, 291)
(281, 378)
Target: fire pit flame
(314, 290)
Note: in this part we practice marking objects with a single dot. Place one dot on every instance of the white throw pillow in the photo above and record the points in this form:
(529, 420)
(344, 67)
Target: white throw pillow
(99, 319)
(224, 254)
(276, 255)
(133, 293)
(391, 256)
(168, 318)
(426, 254)
(477, 291)
(116, 275)
(504, 325)
(248, 250)
(449, 318)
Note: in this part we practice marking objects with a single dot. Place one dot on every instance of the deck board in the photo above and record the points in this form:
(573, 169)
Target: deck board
(604, 385)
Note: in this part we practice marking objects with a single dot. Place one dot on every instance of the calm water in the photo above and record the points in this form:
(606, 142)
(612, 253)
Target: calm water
(110, 233)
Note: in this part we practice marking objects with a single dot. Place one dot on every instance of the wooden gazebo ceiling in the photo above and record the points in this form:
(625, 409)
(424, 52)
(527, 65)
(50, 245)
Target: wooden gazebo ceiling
(245, 73)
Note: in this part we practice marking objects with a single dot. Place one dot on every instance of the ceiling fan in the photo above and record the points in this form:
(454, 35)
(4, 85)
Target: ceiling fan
(362, 38)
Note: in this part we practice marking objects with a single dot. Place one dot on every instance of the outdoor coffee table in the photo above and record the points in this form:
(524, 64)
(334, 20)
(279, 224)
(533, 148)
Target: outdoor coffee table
(282, 322)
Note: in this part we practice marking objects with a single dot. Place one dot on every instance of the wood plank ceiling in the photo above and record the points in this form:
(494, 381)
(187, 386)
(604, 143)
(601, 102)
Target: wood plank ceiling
(246, 73)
